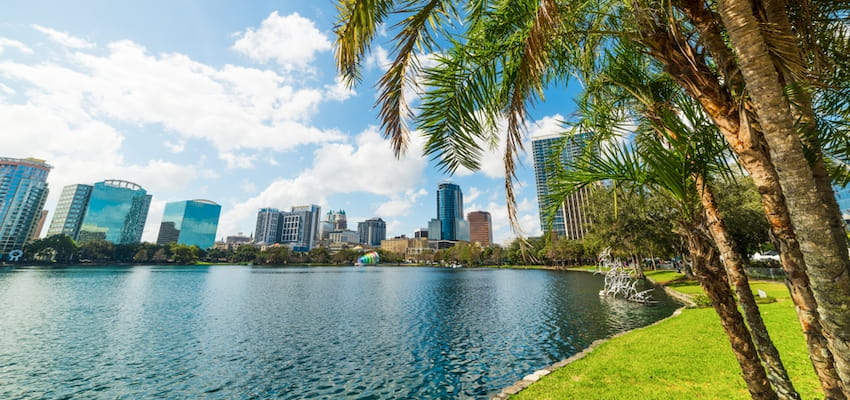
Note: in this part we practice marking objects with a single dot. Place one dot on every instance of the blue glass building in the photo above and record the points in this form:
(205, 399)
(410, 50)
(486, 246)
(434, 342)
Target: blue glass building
(23, 191)
(450, 213)
(190, 222)
(116, 212)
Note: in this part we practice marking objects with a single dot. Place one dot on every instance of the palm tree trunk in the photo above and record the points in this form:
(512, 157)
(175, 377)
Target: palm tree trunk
(733, 262)
(816, 222)
(748, 143)
(711, 278)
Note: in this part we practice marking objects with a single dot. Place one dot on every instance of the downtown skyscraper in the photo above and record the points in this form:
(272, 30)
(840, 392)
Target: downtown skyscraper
(23, 192)
(480, 227)
(116, 212)
(449, 224)
(570, 219)
(372, 231)
(190, 222)
(70, 210)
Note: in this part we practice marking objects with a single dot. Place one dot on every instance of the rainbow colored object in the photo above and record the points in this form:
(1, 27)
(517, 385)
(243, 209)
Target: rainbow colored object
(371, 257)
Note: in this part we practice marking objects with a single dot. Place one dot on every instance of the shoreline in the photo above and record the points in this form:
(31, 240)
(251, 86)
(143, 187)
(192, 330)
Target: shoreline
(535, 376)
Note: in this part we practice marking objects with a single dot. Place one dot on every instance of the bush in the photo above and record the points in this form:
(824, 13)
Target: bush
(701, 300)
(765, 300)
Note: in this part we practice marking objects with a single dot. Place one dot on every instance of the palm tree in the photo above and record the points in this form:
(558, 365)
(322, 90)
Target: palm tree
(668, 171)
(500, 55)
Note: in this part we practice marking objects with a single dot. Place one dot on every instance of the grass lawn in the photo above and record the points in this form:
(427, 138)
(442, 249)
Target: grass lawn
(684, 357)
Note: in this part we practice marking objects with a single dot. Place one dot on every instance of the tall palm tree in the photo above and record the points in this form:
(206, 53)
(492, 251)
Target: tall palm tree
(499, 55)
(670, 172)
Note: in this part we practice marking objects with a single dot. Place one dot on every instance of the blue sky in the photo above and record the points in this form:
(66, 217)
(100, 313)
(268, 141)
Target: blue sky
(235, 102)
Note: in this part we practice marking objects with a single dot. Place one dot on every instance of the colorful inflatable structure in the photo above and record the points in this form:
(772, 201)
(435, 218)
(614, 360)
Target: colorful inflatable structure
(370, 258)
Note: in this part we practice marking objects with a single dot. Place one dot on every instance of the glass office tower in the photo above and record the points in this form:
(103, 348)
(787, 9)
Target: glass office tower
(190, 222)
(70, 211)
(449, 210)
(23, 192)
(116, 212)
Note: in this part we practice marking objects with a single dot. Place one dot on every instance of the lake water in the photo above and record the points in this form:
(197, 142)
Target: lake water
(237, 332)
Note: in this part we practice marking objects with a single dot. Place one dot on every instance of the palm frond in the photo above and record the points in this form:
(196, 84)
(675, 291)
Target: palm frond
(414, 35)
(356, 26)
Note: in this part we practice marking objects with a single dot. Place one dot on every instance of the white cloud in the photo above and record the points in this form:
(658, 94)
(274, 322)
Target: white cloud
(176, 146)
(234, 108)
(63, 38)
(378, 58)
(367, 166)
(471, 194)
(7, 90)
(400, 205)
(549, 125)
(492, 163)
(338, 91)
(9, 43)
(291, 41)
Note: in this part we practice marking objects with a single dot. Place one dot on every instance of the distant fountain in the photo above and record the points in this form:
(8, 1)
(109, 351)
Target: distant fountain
(618, 280)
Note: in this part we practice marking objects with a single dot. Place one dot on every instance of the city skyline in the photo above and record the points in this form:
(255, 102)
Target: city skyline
(241, 105)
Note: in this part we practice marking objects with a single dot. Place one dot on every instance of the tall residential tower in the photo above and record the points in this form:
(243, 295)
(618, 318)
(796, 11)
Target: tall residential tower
(23, 192)
(570, 219)
(70, 211)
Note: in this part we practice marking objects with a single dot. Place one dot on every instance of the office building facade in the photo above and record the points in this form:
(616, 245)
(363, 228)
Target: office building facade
(449, 209)
(570, 218)
(117, 211)
(301, 227)
(190, 222)
(70, 211)
(268, 226)
(480, 227)
(23, 192)
(372, 231)
(298, 228)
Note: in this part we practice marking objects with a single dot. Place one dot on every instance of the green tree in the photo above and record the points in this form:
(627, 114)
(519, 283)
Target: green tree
(216, 255)
(345, 256)
(274, 255)
(160, 255)
(320, 255)
(141, 256)
(744, 214)
(58, 248)
(185, 254)
(245, 253)
(97, 250)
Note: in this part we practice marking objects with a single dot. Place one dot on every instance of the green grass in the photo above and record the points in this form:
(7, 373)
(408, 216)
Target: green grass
(685, 357)
(664, 276)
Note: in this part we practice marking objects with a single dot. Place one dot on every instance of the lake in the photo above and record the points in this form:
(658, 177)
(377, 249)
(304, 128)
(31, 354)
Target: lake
(240, 332)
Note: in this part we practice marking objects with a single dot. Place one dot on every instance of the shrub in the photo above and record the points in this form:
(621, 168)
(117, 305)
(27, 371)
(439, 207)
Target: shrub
(701, 300)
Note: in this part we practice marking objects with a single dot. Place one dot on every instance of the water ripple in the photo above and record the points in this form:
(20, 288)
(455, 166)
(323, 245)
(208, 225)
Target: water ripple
(293, 333)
